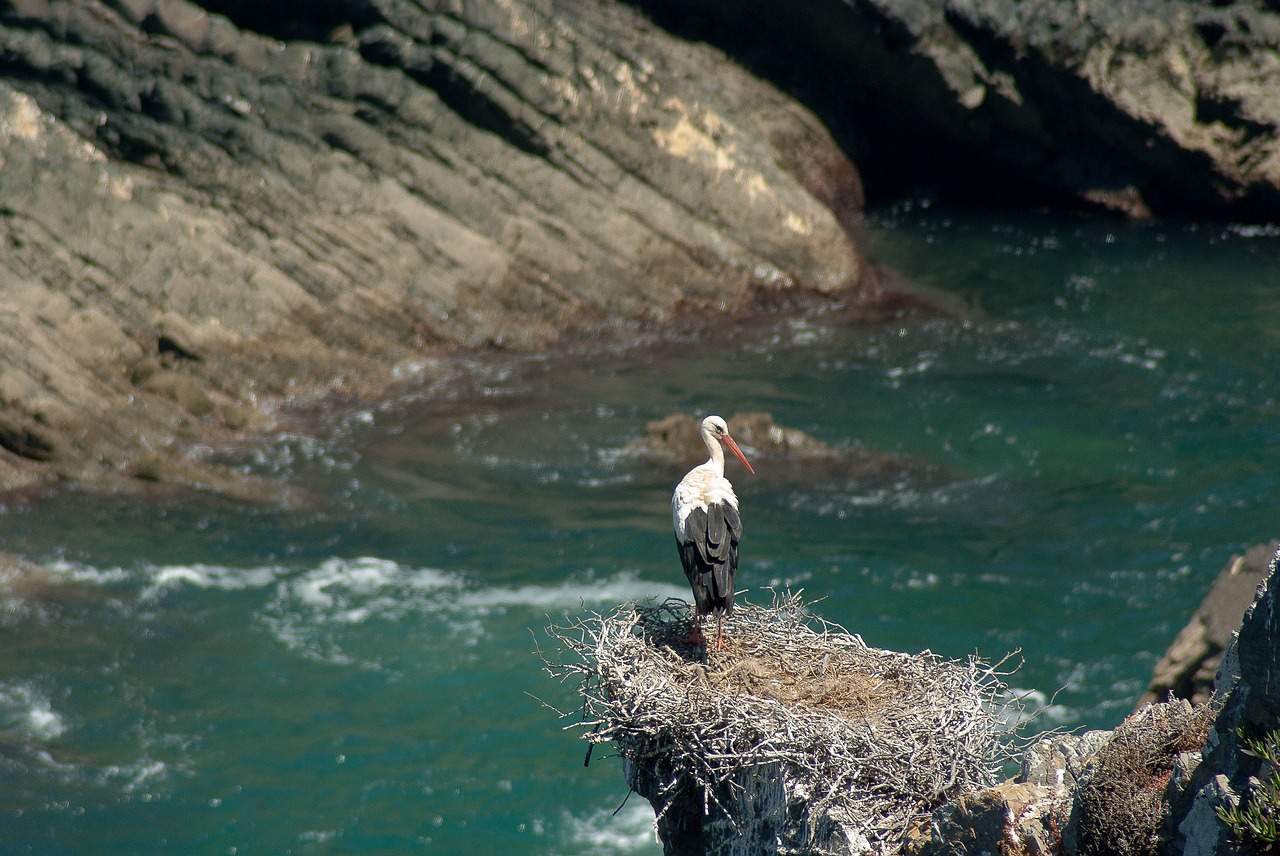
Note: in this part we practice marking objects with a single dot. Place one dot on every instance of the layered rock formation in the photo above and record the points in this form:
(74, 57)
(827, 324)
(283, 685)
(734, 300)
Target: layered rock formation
(1154, 106)
(208, 207)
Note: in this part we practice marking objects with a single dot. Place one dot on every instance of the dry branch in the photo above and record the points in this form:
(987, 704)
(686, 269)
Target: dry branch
(862, 741)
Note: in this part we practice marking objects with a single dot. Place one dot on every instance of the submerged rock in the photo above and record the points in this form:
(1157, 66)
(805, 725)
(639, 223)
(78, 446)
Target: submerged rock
(792, 454)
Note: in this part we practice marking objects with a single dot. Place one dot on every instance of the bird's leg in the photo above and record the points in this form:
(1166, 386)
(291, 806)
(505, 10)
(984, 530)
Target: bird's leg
(696, 637)
(720, 645)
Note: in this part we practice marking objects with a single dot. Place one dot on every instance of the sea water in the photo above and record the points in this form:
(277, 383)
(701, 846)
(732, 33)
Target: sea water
(354, 672)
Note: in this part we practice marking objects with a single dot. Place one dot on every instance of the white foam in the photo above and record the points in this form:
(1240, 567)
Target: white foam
(61, 569)
(624, 587)
(629, 831)
(24, 709)
(133, 777)
(1022, 706)
(170, 577)
(306, 609)
(316, 611)
(356, 589)
(337, 582)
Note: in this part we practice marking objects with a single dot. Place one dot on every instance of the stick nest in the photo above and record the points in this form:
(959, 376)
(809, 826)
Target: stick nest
(867, 739)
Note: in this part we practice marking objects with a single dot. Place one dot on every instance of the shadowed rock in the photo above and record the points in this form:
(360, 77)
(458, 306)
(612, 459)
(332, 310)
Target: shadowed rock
(1138, 106)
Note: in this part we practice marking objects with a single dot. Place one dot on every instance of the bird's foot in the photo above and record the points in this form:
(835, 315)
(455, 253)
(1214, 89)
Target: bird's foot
(694, 638)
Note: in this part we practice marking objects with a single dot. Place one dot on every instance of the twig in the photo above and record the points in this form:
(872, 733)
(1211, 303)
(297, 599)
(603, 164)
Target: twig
(870, 739)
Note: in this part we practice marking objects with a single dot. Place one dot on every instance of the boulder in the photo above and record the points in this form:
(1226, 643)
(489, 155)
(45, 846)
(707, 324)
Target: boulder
(1059, 760)
(1011, 817)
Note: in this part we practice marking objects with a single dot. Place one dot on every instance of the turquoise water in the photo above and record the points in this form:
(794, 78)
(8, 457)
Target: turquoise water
(354, 674)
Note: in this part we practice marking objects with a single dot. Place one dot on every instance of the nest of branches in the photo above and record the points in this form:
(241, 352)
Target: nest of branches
(868, 740)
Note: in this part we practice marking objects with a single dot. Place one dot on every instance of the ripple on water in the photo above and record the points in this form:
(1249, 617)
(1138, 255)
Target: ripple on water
(322, 612)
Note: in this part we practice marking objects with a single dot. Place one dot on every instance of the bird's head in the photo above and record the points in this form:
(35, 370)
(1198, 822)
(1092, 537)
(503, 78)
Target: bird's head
(717, 429)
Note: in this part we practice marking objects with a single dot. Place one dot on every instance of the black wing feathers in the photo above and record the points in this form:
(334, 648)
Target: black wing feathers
(710, 555)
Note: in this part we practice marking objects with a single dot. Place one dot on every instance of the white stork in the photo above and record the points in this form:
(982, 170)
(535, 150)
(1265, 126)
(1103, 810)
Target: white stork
(704, 511)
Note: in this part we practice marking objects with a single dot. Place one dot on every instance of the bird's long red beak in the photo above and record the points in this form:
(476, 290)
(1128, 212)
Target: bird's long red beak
(733, 447)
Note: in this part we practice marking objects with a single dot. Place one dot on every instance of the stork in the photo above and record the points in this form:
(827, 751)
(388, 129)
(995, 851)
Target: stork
(704, 511)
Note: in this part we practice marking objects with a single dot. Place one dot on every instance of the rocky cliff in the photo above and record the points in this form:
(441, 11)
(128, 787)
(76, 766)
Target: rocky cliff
(210, 207)
(1190, 667)
(1139, 106)
(206, 207)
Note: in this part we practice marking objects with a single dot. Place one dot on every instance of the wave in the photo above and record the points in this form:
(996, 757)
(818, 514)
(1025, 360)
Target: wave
(617, 589)
(318, 612)
(351, 588)
(322, 611)
(26, 713)
(354, 589)
(169, 577)
(629, 830)
(35, 738)
(144, 773)
(1024, 707)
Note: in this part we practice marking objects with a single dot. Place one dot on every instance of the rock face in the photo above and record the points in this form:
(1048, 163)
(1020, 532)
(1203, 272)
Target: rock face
(1187, 670)
(1249, 694)
(1152, 786)
(1164, 106)
(207, 206)
(1012, 817)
